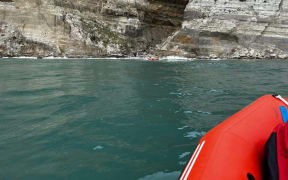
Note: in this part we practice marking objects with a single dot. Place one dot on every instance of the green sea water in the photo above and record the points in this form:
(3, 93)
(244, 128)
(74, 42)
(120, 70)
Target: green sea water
(119, 119)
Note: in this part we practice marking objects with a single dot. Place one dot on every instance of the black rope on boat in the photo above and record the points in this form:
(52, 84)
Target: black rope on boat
(250, 176)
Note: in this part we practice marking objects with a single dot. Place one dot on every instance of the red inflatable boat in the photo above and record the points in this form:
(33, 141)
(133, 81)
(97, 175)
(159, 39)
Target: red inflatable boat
(152, 58)
(235, 148)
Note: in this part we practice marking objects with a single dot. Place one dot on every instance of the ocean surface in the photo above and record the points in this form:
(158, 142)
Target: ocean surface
(119, 119)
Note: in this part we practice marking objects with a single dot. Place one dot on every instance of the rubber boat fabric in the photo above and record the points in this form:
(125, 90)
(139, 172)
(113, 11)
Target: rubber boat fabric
(235, 149)
(276, 162)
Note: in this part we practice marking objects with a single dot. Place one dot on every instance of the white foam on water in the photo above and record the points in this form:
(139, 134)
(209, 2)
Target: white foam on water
(91, 58)
(215, 59)
(175, 59)
(175, 93)
(98, 148)
(182, 162)
(194, 134)
(216, 91)
(49, 57)
(204, 112)
(182, 127)
(141, 58)
(162, 176)
(25, 57)
(198, 111)
(183, 155)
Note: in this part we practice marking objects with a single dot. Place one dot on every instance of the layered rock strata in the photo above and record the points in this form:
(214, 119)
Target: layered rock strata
(198, 28)
(86, 28)
(232, 29)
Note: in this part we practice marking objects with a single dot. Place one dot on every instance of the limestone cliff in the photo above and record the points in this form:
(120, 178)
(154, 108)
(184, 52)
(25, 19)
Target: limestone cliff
(232, 29)
(86, 28)
(195, 28)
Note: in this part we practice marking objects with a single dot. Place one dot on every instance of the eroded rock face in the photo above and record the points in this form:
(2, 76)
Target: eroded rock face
(86, 28)
(232, 29)
(13, 43)
(195, 28)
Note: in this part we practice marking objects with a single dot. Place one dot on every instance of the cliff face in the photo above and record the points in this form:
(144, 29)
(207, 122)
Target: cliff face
(86, 28)
(232, 29)
(198, 28)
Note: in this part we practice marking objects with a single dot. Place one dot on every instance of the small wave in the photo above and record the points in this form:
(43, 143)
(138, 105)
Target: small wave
(198, 111)
(181, 93)
(204, 112)
(98, 148)
(182, 127)
(175, 59)
(32, 92)
(188, 112)
(215, 91)
(26, 57)
(182, 163)
(194, 134)
(183, 155)
(162, 175)
(175, 93)
(215, 59)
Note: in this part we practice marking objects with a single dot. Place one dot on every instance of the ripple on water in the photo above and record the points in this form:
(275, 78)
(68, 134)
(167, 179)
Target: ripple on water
(198, 111)
(95, 118)
(187, 112)
(203, 112)
(175, 93)
(214, 91)
(183, 155)
(182, 163)
(162, 175)
(181, 128)
(181, 93)
(98, 148)
(194, 134)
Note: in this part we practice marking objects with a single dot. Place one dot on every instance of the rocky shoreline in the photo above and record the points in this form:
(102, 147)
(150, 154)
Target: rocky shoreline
(142, 58)
(210, 29)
